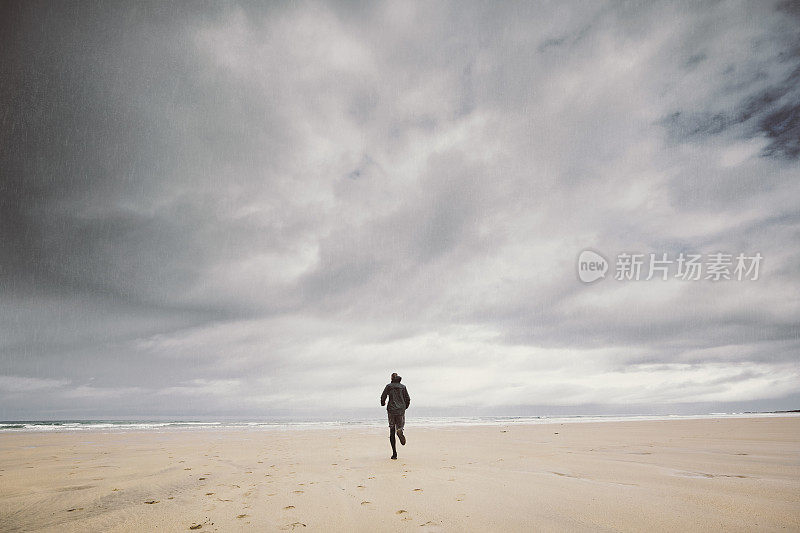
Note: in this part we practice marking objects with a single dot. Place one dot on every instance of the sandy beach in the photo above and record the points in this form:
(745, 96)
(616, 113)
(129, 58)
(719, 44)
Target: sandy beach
(691, 475)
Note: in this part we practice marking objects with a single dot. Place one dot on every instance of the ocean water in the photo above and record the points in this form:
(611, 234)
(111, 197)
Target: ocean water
(289, 424)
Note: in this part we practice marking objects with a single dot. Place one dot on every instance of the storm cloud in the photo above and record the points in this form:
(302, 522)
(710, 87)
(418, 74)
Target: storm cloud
(254, 209)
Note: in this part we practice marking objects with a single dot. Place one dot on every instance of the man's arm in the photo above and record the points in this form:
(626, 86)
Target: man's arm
(406, 397)
(384, 395)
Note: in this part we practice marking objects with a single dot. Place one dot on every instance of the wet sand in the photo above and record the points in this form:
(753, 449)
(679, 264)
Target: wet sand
(690, 475)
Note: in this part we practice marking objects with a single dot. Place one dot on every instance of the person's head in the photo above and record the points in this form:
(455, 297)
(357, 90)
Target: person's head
(395, 378)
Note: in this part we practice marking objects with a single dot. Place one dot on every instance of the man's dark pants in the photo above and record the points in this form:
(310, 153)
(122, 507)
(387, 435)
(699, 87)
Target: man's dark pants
(397, 422)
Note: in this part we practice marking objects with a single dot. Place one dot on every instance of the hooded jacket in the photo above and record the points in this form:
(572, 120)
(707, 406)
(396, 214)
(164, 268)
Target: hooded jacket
(398, 397)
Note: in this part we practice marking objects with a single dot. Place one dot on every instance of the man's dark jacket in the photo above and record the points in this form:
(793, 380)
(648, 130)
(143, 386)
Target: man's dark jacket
(398, 397)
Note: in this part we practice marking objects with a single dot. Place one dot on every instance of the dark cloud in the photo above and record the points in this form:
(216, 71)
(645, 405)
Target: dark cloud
(758, 90)
(220, 207)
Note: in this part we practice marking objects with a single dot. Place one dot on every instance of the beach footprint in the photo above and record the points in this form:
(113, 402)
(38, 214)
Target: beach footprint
(293, 525)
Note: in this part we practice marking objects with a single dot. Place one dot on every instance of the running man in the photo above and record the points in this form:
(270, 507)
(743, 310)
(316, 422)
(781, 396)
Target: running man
(396, 408)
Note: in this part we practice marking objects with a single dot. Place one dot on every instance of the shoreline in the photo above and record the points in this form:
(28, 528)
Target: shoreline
(124, 425)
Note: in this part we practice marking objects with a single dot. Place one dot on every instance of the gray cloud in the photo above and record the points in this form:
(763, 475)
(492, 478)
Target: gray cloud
(237, 208)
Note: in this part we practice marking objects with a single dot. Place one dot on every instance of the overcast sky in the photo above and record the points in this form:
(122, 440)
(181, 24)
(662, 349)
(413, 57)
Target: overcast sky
(245, 209)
